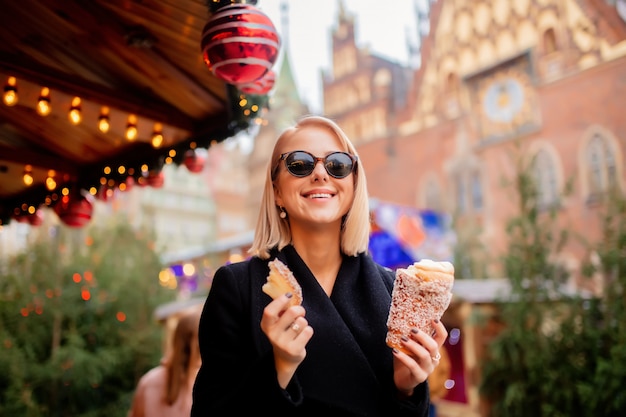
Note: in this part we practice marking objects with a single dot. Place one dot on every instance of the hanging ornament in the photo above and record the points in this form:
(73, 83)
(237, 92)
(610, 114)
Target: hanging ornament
(215, 5)
(239, 44)
(261, 86)
(193, 161)
(74, 210)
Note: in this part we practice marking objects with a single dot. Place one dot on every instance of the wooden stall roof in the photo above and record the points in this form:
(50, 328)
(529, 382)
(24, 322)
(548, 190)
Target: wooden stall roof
(137, 58)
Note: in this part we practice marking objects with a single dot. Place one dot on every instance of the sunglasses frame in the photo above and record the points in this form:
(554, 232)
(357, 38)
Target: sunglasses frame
(353, 158)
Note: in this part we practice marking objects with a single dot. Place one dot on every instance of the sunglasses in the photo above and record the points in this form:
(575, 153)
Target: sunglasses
(302, 163)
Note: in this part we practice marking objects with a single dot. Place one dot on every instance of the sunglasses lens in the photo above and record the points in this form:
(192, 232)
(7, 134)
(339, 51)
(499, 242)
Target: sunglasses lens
(339, 164)
(300, 164)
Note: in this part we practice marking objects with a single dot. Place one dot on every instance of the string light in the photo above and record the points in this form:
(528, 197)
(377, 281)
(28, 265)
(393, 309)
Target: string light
(75, 115)
(157, 135)
(43, 105)
(10, 92)
(131, 127)
(51, 184)
(28, 175)
(103, 120)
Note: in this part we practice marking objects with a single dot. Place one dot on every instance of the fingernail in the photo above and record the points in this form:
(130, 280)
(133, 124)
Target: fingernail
(404, 339)
(289, 295)
(394, 350)
(415, 331)
(436, 320)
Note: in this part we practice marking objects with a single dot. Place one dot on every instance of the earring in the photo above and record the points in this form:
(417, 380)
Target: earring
(283, 213)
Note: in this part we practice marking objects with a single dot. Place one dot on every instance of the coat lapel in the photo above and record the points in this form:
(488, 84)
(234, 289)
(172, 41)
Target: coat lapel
(340, 350)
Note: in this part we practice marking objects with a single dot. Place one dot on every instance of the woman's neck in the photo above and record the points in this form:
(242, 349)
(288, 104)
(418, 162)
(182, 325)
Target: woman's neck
(321, 252)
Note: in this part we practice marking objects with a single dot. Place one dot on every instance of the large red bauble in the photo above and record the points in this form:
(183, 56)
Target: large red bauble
(193, 162)
(239, 44)
(261, 86)
(74, 210)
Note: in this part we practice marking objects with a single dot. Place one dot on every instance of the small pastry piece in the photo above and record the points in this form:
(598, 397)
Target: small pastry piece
(280, 281)
(421, 293)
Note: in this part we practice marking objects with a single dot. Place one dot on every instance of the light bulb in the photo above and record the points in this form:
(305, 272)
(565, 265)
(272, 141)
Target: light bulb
(75, 115)
(43, 105)
(28, 175)
(103, 121)
(51, 184)
(131, 127)
(157, 135)
(10, 92)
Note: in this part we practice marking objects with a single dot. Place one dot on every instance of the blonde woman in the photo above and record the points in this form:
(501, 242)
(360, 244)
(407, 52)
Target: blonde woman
(165, 391)
(328, 355)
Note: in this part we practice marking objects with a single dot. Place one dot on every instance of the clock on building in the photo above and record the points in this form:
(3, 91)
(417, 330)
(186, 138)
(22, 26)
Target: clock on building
(505, 100)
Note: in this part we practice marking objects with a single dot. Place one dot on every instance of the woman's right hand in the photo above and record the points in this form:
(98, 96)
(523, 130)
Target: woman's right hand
(288, 331)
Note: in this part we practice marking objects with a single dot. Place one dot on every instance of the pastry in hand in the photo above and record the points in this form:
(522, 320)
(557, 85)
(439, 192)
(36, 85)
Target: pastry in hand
(280, 281)
(421, 293)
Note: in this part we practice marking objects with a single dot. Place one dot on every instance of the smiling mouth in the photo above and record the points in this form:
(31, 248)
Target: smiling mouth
(319, 195)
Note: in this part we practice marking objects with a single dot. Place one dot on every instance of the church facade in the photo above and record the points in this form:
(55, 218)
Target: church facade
(503, 88)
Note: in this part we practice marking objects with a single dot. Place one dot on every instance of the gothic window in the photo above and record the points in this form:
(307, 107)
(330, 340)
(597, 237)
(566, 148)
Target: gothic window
(469, 191)
(545, 180)
(477, 192)
(549, 41)
(452, 95)
(432, 196)
(602, 169)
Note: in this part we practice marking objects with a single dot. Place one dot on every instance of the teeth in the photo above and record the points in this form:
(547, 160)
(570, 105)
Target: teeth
(320, 195)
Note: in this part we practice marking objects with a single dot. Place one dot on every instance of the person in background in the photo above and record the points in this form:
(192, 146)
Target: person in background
(165, 391)
(327, 356)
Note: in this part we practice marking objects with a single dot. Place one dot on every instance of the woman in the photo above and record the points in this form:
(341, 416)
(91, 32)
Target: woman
(328, 354)
(165, 391)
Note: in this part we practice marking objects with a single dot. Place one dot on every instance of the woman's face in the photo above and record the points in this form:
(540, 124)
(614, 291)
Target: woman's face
(318, 199)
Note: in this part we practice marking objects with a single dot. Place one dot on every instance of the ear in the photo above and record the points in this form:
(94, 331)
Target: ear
(278, 200)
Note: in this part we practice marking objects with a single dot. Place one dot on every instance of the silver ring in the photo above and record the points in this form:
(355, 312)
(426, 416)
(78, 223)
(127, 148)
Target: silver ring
(437, 357)
(295, 327)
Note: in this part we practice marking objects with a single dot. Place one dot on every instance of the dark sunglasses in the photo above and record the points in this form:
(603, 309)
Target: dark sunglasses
(302, 163)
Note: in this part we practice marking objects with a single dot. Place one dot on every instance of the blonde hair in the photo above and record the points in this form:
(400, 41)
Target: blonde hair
(184, 348)
(272, 231)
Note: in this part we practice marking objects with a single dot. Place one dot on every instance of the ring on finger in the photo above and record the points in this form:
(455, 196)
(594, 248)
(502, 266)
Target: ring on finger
(295, 327)
(437, 357)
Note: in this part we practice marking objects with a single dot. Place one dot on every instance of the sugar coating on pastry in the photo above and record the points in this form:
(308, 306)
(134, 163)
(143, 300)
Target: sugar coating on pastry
(421, 293)
(280, 281)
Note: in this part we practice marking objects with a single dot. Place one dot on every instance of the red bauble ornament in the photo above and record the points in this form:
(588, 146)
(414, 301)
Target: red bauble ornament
(261, 86)
(155, 179)
(74, 210)
(193, 161)
(239, 44)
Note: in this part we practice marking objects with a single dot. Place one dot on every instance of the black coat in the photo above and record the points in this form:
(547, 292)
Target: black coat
(348, 367)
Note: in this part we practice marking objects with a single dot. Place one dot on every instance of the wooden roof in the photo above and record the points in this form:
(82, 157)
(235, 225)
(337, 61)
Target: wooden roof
(133, 57)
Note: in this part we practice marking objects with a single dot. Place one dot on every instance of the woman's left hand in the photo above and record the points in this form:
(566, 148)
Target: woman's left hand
(410, 370)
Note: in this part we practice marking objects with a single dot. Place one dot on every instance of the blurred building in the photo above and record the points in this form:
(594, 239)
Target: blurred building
(498, 80)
